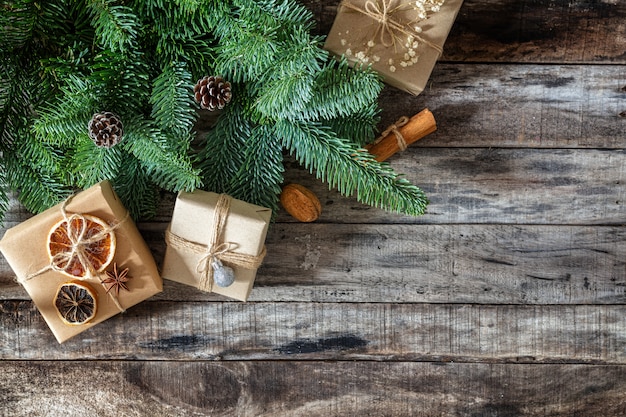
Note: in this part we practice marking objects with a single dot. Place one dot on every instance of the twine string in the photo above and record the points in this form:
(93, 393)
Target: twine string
(389, 28)
(395, 129)
(76, 225)
(216, 248)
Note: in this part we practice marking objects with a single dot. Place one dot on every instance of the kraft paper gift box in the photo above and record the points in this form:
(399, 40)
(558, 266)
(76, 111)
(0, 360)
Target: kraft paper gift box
(401, 40)
(201, 225)
(25, 247)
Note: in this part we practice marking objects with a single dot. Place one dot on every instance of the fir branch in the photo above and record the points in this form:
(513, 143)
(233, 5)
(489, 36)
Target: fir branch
(359, 128)
(349, 169)
(165, 167)
(261, 174)
(120, 81)
(4, 190)
(36, 190)
(335, 88)
(139, 195)
(173, 108)
(220, 156)
(17, 20)
(14, 101)
(64, 120)
(116, 26)
(90, 164)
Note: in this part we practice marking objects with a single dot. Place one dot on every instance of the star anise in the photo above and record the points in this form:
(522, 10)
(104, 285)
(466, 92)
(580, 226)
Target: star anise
(116, 280)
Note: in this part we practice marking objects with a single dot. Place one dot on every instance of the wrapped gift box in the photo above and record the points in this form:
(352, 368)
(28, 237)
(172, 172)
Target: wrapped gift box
(193, 224)
(402, 40)
(25, 247)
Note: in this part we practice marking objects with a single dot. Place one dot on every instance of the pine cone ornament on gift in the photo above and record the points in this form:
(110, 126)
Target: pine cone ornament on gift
(106, 129)
(212, 92)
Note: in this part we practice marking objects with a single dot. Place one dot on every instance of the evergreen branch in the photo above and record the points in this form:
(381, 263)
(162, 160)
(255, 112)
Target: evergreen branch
(220, 156)
(120, 82)
(45, 157)
(14, 101)
(284, 15)
(165, 167)
(16, 23)
(261, 174)
(63, 121)
(334, 92)
(358, 128)
(139, 195)
(173, 108)
(349, 169)
(90, 164)
(4, 189)
(116, 26)
(37, 190)
(288, 84)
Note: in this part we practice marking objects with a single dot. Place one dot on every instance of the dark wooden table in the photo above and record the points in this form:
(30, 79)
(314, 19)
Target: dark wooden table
(506, 299)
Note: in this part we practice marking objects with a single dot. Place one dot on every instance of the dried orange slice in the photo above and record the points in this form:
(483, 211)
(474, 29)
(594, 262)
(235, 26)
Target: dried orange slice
(97, 247)
(76, 303)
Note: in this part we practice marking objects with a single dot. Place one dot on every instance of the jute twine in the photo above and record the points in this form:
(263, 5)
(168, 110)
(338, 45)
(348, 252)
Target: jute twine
(216, 248)
(79, 244)
(395, 129)
(382, 12)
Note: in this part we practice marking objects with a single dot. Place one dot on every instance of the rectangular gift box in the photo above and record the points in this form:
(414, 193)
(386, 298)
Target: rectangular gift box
(245, 227)
(25, 248)
(383, 33)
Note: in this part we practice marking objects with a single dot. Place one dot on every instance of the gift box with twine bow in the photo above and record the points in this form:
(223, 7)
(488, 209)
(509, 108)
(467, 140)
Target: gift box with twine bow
(28, 249)
(215, 243)
(401, 40)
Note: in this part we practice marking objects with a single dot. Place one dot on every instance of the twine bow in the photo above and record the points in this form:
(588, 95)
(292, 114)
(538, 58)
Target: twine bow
(394, 128)
(79, 242)
(216, 248)
(389, 24)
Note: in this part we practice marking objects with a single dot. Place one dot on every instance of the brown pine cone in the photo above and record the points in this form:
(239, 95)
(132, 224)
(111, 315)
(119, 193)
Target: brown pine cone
(106, 129)
(212, 92)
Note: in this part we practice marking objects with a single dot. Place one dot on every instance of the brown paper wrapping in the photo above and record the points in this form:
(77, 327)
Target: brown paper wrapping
(246, 226)
(25, 248)
(356, 32)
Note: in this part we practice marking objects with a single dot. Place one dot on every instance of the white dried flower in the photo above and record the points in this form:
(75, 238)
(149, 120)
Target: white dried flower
(392, 68)
(371, 43)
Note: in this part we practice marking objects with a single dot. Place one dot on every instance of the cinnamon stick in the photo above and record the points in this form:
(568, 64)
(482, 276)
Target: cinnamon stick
(399, 135)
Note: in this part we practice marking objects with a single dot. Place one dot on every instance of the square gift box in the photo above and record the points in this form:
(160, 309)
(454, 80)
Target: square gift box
(206, 227)
(26, 249)
(402, 40)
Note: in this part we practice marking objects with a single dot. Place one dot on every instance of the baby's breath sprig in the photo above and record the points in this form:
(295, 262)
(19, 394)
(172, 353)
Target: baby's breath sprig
(398, 25)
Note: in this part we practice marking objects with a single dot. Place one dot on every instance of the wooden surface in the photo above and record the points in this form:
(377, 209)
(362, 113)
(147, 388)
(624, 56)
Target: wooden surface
(506, 299)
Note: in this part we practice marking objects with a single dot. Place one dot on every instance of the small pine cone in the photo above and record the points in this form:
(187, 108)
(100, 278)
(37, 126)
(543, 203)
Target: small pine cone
(106, 129)
(212, 92)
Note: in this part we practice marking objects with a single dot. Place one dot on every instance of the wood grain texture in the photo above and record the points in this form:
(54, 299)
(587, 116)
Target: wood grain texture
(311, 389)
(480, 185)
(522, 106)
(506, 299)
(487, 264)
(161, 330)
(525, 31)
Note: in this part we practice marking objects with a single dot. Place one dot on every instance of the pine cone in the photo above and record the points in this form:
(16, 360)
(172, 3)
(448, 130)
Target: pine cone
(212, 92)
(106, 129)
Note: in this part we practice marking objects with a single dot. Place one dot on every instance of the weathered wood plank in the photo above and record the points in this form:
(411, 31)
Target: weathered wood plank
(160, 330)
(534, 106)
(489, 264)
(525, 31)
(112, 389)
(481, 185)
(491, 185)
(539, 31)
